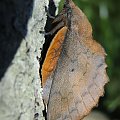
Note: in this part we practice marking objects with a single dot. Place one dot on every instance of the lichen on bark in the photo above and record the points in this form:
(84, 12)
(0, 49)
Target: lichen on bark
(20, 90)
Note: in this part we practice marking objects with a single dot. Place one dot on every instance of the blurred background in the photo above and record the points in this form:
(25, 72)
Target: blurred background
(104, 16)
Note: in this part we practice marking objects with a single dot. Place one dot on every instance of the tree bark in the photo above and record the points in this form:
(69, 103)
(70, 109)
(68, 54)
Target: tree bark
(20, 86)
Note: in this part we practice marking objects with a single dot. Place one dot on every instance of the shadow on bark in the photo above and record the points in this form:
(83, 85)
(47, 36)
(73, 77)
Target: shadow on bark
(14, 16)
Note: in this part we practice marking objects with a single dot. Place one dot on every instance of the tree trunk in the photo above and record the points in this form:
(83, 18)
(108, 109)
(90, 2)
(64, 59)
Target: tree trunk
(20, 86)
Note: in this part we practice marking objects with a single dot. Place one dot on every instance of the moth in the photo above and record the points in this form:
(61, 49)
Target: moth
(74, 70)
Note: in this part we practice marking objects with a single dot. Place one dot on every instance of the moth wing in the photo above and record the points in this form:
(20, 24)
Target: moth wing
(80, 75)
(50, 61)
(78, 80)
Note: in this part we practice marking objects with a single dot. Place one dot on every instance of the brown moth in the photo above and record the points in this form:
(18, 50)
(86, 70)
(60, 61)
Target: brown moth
(74, 70)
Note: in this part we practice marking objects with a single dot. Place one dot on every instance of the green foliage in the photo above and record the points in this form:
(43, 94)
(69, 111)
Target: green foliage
(104, 16)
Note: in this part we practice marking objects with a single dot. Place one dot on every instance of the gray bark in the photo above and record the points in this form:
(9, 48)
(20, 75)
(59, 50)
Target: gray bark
(20, 87)
(20, 84)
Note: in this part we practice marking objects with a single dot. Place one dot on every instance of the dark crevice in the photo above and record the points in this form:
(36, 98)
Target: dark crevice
(48, 38)
(48, 27)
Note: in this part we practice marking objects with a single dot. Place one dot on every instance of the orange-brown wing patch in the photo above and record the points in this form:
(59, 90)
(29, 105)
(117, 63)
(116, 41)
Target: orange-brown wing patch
(53, 54)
